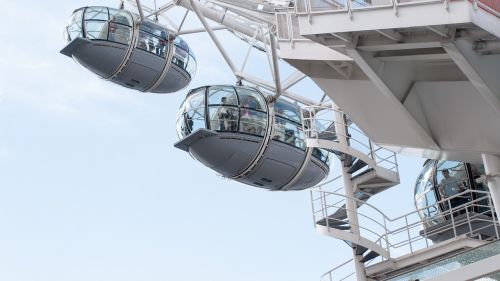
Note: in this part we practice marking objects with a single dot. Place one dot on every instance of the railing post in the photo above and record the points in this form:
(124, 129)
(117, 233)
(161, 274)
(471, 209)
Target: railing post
(387, 247)
(408, 233)
(372, 153)
(492, 211)
(452, 219)
(324, 210)
(313, 208)
(468, 220)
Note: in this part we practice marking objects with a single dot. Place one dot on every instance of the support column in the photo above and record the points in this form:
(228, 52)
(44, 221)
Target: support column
(351, 205)
(492, 169)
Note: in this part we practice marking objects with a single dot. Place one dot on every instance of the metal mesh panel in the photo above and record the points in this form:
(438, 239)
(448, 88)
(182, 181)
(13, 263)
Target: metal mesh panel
(282, 24)
(301, 6)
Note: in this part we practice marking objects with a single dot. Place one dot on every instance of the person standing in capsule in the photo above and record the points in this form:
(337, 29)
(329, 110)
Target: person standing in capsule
(225, 116)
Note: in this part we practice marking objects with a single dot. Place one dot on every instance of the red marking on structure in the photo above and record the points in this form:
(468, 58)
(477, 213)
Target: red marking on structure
(493, 6)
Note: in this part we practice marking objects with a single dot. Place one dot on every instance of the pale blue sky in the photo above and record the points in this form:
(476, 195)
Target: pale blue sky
(91, 187)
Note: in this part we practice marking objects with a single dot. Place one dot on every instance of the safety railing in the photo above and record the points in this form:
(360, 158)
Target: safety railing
(341, 272)
(313, 7)
(320, 122)
(413, 231)
(288, 27)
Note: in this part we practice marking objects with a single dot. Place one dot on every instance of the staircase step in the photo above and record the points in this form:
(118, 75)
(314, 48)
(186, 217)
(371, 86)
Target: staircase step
(370, 256)
(332, 222)
(356, 166)
(360, 250)
(329, 133)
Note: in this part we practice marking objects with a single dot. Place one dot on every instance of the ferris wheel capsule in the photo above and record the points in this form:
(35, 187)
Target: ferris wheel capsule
(143, 55)
(234, 131)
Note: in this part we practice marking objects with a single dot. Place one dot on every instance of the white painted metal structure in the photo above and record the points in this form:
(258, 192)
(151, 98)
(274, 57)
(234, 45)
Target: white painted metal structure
(417, 77)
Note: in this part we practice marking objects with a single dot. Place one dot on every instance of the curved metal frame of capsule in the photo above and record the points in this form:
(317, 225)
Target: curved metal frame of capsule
(128, 54)
(264, 143)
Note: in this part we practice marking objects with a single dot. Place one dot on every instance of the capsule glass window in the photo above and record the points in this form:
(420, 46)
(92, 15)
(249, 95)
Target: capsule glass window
(120, 29)
(251, 99)
(97, 14)
(75, 27)
(192, 115)
(253, 122)
(287, 111)
(96, 30)
(426, 176)
(191, 64)
(289, 132)
(120, 17)
(96, 23)
(153, 39)
(451, 178)
(322, 155)
(223, 107)
(180, 57)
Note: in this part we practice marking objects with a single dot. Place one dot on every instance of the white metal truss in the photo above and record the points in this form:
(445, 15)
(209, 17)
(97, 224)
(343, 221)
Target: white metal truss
(256, 28)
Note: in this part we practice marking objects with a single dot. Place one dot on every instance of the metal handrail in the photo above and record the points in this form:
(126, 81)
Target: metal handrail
(373, 151)
(329, 273)
(391, 238)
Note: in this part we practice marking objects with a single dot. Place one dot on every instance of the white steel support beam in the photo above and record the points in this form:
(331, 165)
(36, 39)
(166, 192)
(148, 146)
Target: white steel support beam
(299, 98)
(250, 48)
(256, 80)
(233, 22)
(276, 69)
(199, 14)
(139, 8)
(391, 34)
(397, 106)
(163, 8)
(461, 61)
(199, 30)
(441, 31)
(182, 21)
(492, 169)
(351, 205)
(346, 38)
(293, 79)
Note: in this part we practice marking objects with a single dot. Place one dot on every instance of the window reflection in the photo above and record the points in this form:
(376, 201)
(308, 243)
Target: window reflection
(288, 111)
(289, 132)
(451, 178)
(100, 26)
(119, 33)
(321, 155)
(192, 113)
(223, 118)
(253, 122)
(251, 99)
(96, 30)
(120, 16)
(74, 28)
(223, 95)
(183, 56)
(153, 39)
(96, 13)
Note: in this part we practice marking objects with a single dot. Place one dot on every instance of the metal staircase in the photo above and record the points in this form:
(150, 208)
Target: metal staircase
(399, 242)
(374, 237)
(371, 168)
